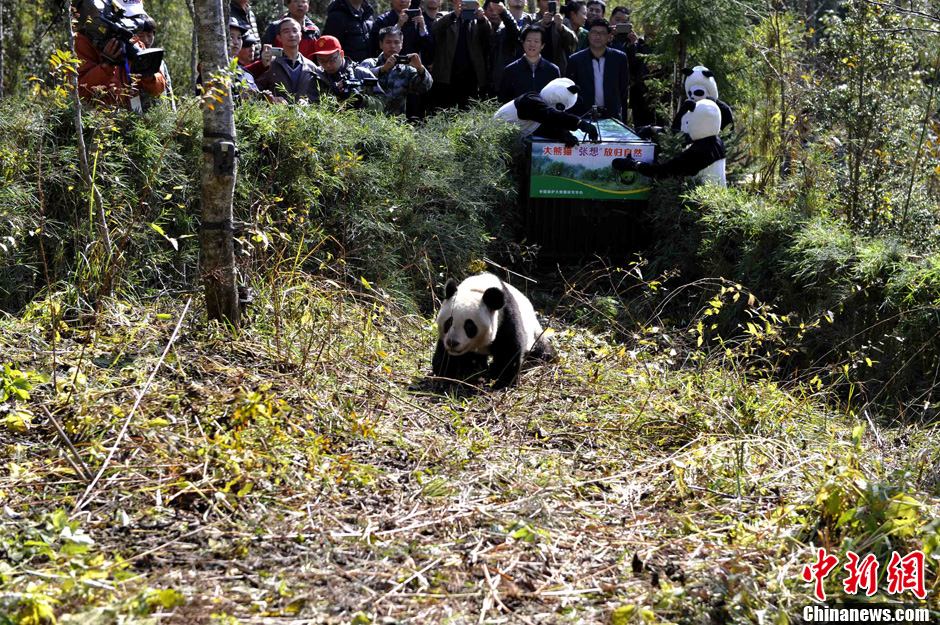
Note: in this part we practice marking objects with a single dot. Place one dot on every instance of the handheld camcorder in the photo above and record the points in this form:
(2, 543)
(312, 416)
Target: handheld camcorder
(354, 85)
(104, 20)
(553, 7)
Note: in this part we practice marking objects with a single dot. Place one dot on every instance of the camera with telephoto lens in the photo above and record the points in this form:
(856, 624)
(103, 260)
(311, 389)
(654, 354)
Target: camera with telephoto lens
(354, 85)
(104, 20)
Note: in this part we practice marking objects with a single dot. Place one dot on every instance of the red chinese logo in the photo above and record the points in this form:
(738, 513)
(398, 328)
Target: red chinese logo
(902, 573)
(818, 571)
(906, 573)
(863, 574)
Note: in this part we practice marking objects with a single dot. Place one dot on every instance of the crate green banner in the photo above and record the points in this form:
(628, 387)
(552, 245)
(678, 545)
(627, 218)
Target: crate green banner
(583, 172)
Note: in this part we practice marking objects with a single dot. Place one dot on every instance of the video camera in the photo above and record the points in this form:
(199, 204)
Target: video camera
(104, 20)
(356, 84)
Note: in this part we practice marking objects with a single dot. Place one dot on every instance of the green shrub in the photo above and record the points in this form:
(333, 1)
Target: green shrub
(398, 204)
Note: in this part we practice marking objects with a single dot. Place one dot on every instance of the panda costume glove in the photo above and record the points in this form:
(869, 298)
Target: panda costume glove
(590, 130)
(624, 164)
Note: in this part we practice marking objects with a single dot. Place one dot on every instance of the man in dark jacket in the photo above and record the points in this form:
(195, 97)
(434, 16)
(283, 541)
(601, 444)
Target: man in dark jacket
(290, 76)
(602, 75)
(351, 21)
(461, 45)
(530, 73)
(504, 45)
(241, 11)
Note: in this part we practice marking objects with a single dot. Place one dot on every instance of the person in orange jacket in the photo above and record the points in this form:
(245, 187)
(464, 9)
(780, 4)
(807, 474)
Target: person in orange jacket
(104, 75)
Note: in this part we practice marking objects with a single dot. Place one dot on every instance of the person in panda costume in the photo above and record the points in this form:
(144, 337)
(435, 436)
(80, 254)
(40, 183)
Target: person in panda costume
(483, 318)
(703, 158)
(545, 113)
(700, 84)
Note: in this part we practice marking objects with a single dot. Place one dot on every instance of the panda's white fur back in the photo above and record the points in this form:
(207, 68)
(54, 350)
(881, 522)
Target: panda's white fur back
(467, 303)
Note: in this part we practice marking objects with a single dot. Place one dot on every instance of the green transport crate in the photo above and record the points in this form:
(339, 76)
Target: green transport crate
(576, 205)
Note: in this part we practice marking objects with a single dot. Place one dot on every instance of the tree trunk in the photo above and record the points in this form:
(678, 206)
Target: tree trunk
(2, 7)
(193, 50)
(219, 167)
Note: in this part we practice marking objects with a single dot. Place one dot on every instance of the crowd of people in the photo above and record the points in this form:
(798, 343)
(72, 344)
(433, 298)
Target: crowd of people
(410, 60)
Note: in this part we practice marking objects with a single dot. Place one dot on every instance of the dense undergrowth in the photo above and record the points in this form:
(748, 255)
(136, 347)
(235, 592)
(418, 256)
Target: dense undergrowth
(396, 203)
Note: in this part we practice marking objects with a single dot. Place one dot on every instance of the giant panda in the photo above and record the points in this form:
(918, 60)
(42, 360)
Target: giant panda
(482, 318)
(545, 113)
(700, 84)
(703, 158)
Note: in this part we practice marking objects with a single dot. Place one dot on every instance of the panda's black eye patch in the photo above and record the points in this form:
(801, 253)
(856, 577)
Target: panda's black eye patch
(448, 323)
(470, 328)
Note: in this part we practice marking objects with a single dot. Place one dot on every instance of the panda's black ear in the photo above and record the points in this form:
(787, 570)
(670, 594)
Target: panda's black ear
(494, 298)
(687, 107)
(687, 71)
(708, 73)
(573, 89)
(450, 288)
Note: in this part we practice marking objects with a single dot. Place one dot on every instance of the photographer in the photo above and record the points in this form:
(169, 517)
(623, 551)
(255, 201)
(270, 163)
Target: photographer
(350, 21)
(400, 75)
(560, 41)
(461, 46)
(147, 36)
(290, 75)
(414, 31)
(575, 13)
(105, 73)
(343, 78)
(505, 46)
(309, 32)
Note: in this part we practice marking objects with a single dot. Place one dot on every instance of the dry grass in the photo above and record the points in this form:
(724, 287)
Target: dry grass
(304, 472)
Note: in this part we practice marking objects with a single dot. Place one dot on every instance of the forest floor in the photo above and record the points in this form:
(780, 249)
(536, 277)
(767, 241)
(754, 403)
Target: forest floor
(306, 472)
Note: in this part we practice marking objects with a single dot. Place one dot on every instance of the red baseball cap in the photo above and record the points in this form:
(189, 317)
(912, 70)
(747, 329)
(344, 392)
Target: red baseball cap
(326, 44)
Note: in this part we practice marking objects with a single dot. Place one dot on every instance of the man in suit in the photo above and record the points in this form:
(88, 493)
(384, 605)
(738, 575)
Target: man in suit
(601, 74)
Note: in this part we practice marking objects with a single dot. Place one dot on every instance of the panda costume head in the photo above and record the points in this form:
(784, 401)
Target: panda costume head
(700, 83)
(484, 317)
(702, 122)
(560, 94)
